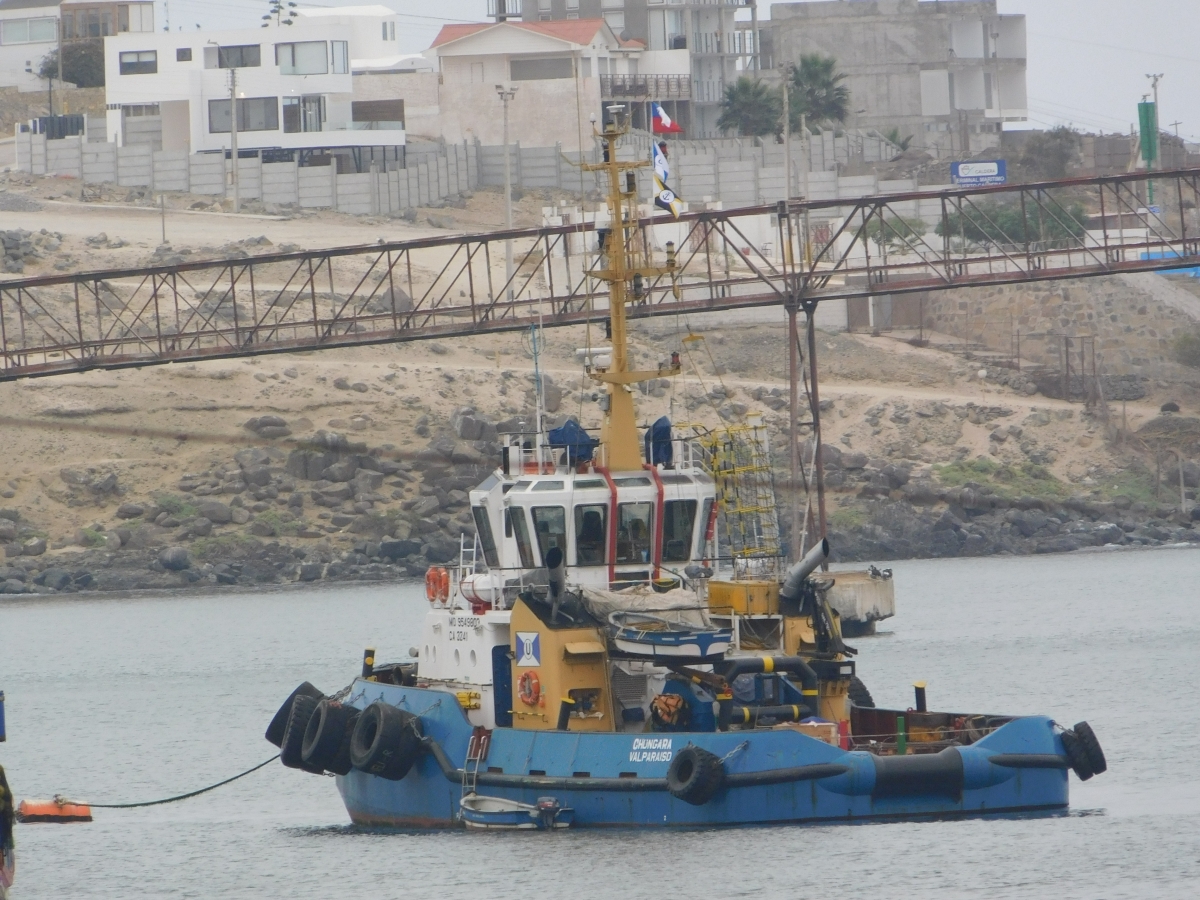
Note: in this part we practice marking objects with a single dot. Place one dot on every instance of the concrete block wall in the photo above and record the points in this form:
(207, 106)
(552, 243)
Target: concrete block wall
(435, 171)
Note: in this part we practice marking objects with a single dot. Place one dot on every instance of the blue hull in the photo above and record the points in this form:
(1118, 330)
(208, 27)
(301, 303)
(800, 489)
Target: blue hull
(618, 780)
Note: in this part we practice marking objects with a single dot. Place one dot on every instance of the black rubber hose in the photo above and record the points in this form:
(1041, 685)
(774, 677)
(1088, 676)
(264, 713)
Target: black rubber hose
(755, 665)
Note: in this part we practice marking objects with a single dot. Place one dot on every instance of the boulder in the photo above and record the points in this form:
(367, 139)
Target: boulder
(366, 481)
(399, 549)
(441, 550)
(129, 511)
(239, 516)
(262, 528)
(54, 577)
(854, 461)
(340, 471)
(426, 505)
(34, 547)
(8, 531)
(260, 476)
(215, 511)
(201, 527)
(174, 559)
(310, 571)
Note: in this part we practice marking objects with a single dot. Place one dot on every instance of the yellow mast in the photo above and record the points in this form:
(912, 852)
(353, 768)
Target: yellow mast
(622, 451)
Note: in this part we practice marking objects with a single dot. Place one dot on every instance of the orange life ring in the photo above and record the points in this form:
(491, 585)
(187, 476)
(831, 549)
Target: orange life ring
(437, 584)
(529, 688)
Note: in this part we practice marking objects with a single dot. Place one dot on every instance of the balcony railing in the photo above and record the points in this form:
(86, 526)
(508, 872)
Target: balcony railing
(647, 87)
(731, 43)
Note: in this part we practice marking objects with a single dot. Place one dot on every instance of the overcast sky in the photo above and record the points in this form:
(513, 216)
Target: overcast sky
(1088, 59)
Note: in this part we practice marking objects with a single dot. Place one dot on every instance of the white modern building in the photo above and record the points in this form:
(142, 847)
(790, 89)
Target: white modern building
(28, 32)
(294, 86)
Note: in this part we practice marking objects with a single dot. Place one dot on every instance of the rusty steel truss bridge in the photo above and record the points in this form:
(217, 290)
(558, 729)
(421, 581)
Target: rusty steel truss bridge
(793, 254)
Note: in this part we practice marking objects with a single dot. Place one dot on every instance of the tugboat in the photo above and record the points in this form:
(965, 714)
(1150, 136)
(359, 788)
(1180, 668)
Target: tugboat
(588, 662)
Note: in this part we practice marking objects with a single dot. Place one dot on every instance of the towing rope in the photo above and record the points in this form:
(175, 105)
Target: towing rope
(211, 787)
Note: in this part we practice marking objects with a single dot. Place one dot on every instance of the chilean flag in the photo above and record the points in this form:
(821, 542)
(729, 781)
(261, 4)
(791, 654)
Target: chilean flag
(663, 123)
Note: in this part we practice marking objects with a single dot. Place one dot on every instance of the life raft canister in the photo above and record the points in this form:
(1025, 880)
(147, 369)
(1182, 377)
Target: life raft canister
(529, 689)
(437, 584)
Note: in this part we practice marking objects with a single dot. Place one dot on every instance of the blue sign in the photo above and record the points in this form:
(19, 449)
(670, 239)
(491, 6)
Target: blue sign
(979, 173)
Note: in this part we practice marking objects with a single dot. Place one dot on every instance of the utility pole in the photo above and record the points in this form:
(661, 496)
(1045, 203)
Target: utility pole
(233, 138)
(60, 51)
(507, 94)
(787, 134)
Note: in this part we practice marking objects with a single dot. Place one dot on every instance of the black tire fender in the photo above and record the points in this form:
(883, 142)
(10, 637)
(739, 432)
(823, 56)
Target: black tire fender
(1091, 746)
(1076, 755)
(280, 720)
(291, 749)
(695, 775)
(327, 737)
(386, 741)
(859, 695)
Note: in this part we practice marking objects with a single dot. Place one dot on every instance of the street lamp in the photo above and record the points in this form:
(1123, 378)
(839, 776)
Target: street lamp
(507, 93)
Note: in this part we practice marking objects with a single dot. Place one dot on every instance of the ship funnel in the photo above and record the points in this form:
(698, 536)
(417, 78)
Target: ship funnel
(801, 570)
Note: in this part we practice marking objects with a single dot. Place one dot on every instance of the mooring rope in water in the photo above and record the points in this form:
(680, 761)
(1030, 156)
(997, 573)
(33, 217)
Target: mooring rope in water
(211, 787)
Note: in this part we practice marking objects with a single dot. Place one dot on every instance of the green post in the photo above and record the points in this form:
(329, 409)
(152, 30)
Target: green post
(1148, 123)
(901, 737)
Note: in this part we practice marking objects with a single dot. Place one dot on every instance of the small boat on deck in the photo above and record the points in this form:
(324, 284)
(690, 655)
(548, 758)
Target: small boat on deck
(644, 634)
(501, 814)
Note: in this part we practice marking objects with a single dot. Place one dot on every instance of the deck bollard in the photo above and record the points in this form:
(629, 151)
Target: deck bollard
(368, 670)
(564, 714)
(919, 690)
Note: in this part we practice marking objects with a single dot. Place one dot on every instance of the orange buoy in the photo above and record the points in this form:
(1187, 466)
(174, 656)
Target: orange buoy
(56, 810)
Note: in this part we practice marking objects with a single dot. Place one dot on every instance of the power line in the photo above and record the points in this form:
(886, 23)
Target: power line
(1152, 53)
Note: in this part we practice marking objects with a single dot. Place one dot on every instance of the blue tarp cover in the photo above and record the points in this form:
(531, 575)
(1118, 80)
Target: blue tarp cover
(578, 443)
(658, 443)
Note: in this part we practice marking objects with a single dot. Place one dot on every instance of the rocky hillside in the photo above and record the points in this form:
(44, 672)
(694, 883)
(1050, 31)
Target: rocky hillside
(345, 465)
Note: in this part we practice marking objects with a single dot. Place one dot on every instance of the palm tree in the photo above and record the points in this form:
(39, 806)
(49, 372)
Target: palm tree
(750, 108)
(817, 92)
(892, 135)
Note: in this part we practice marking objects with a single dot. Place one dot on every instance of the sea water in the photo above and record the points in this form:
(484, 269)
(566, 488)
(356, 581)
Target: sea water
(116, 699)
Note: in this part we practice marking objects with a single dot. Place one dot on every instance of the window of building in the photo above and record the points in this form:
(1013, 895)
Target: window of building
(634, 525)
(138, 110)
(303, 114)
(591, 534)
(139, 62)
(239, 56)
(304, 58)
(517, 525)
(87, 23)
(391, 31)
(550, 522)
(28, 31)
(341, 57)
(254, 114)
(483, 527)
(616, 21)
(679, 517)
(544, 6)
(537, 69)
(183, 54)
(135, 17)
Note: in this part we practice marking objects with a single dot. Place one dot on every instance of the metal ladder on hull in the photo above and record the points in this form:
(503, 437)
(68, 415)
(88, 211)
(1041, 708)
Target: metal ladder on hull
(477, 751)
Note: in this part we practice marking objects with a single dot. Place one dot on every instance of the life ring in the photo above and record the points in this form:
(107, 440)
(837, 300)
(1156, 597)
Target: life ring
(437, 584)
(529, 689)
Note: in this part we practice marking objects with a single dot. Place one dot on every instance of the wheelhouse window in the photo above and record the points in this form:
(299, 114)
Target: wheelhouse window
(679, 518)
(138, 62)
(591, 534)
(487, 541)
(634, 527)
(550, 523)
(516, 524)
(254, 114)
(303, 114)
(239, 56)
(302, 58)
